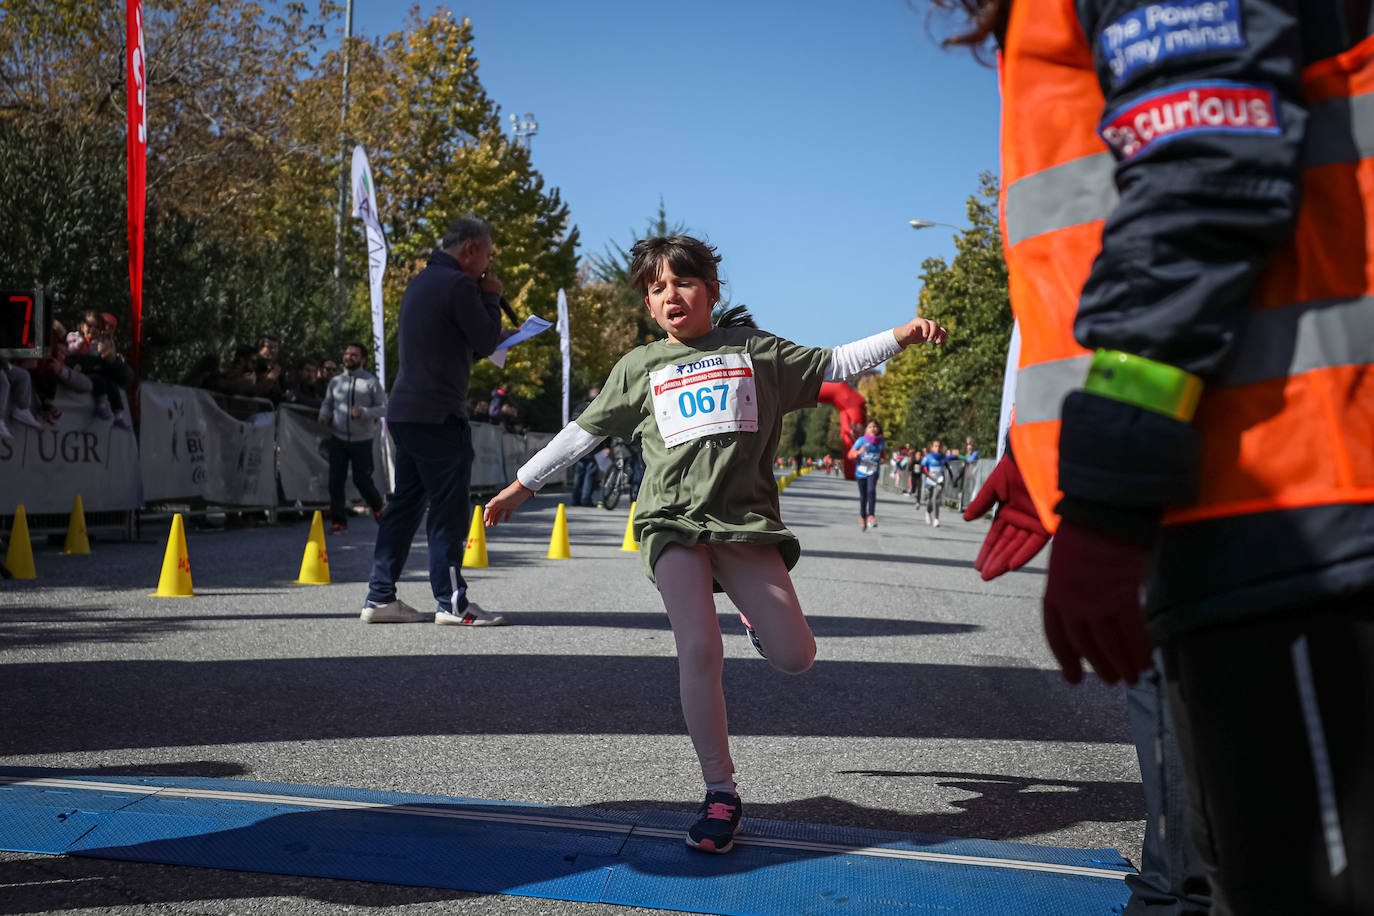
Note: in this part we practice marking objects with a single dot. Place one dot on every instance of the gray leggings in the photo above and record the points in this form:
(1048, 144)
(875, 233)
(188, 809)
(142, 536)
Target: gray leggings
(930, 496)
(755, 578)
(15, 390)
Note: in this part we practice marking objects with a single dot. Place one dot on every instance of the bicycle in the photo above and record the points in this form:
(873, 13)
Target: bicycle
(618, 478)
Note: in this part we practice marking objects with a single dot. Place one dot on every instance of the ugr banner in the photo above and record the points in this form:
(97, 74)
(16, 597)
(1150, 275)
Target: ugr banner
(189, 447)
(47, 468)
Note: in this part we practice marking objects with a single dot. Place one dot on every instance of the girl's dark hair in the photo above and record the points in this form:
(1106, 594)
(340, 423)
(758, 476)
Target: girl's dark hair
(735, 316)
(986, 19)
(688, 257)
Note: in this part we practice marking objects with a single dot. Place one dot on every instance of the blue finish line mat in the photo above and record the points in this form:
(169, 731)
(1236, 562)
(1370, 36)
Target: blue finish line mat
(778, 868)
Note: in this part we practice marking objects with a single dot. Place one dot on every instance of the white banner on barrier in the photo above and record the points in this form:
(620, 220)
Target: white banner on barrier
(304, 462)
(47, 468)
(488, 465)
(190, 447)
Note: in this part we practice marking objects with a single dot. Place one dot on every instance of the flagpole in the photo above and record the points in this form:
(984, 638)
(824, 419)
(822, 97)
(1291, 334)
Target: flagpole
(337, 323)
(137, 146)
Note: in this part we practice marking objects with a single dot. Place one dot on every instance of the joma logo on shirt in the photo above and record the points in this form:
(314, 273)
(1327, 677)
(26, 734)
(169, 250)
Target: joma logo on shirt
(699, 364)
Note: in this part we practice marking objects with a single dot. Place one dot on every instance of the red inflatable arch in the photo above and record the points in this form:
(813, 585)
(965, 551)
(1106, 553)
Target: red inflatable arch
(853, 412)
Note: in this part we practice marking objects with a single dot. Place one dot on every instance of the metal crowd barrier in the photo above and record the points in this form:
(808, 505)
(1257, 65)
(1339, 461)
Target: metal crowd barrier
(971, 476)
(173, 432)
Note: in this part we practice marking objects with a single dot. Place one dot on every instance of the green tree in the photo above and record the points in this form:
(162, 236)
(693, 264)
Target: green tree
(816, 422)
(436, 148)
(244, 159)
(955, 390)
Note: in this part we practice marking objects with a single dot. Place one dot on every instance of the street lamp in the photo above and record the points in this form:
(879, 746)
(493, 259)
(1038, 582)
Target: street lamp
(523, 129)
(926, 224)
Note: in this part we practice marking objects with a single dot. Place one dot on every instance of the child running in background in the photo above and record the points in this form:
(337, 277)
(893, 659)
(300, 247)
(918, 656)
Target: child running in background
(933, 482)
(708, 404)
(868, 451)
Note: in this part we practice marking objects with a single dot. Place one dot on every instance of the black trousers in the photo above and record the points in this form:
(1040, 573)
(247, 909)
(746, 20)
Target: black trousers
(433, 469)
(341, 455)
(1275, 722)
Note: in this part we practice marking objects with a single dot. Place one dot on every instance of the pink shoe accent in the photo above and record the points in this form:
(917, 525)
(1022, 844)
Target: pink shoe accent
(719, 811)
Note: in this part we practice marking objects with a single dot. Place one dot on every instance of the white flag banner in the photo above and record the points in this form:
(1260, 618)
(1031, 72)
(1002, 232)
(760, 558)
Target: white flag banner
(365, 209)
(1009, 388)
(564, 347)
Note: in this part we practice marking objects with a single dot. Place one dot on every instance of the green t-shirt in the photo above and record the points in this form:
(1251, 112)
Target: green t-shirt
(716, 487)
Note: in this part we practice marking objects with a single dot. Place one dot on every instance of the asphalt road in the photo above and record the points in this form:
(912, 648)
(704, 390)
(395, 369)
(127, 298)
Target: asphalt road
(934, 705)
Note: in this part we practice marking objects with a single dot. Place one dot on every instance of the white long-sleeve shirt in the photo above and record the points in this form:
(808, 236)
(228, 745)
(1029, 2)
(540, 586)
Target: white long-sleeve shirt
(573, 443)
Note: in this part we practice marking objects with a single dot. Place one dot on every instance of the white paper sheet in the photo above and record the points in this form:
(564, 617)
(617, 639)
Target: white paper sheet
(533, 325)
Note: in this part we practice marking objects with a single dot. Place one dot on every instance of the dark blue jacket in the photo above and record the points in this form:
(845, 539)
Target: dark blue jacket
(446, 322)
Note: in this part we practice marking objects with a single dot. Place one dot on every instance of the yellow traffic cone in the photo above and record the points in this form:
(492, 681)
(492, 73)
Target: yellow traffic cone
(558, 543)
(629, 544)
(475, 553)
(77, 542)
(19, 558)
(175, 581)
(315, 563)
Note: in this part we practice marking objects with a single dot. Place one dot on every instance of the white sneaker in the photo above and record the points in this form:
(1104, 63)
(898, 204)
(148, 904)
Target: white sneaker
(471, 616)
(392, 612)
(936, 523)
(25, 416)
(927, 518)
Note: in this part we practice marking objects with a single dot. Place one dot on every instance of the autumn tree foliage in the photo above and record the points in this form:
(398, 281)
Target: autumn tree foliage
(954, 390)
(245, 147)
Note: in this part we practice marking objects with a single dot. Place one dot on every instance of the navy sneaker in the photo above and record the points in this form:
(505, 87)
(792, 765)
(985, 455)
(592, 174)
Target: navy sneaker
(753, 637)
(715, 830)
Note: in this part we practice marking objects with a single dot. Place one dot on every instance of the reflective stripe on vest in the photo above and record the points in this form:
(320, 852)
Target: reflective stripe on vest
(1289, 424)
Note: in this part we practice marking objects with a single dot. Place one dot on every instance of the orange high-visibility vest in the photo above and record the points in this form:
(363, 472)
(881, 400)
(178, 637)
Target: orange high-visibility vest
(1292, 423)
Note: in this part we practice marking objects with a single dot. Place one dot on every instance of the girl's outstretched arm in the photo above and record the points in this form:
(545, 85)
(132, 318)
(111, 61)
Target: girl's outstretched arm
(853, 358)
(565, 449)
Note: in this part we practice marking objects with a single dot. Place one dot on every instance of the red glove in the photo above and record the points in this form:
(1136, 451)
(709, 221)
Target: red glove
(1092, 605)
(1016, 533)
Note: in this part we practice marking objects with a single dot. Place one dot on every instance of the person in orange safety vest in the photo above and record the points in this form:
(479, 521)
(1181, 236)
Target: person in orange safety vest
(1188, 221)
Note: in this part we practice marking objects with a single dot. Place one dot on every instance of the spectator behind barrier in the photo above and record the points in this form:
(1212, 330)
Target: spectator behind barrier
(82, 341)
(238, 376)
(267, 371)
(16, 397)
(52, 370)
(304, 387)
(96, 355)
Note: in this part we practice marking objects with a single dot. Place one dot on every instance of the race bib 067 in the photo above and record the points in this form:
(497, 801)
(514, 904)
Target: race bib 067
(713, 395)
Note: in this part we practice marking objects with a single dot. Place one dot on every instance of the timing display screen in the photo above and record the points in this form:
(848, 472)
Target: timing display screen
(21, 322)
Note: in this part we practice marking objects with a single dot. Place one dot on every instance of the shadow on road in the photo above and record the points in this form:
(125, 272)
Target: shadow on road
(55, 707)
(34, 627)
(904, 558)
(55, 884)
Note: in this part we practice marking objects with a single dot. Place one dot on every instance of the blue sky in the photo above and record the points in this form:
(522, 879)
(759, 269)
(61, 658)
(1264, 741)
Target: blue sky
(798, 137)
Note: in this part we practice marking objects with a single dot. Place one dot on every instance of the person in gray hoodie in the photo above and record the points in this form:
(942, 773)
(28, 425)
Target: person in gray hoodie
(354, 402)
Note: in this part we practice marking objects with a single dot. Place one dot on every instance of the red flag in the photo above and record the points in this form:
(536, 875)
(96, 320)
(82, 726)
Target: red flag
(138, 158)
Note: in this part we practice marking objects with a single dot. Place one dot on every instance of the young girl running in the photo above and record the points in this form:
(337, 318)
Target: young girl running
(708, 403)
(868, 451)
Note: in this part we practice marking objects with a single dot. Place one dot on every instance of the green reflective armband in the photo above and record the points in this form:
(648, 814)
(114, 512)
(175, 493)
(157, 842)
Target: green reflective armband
(1145, 383)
